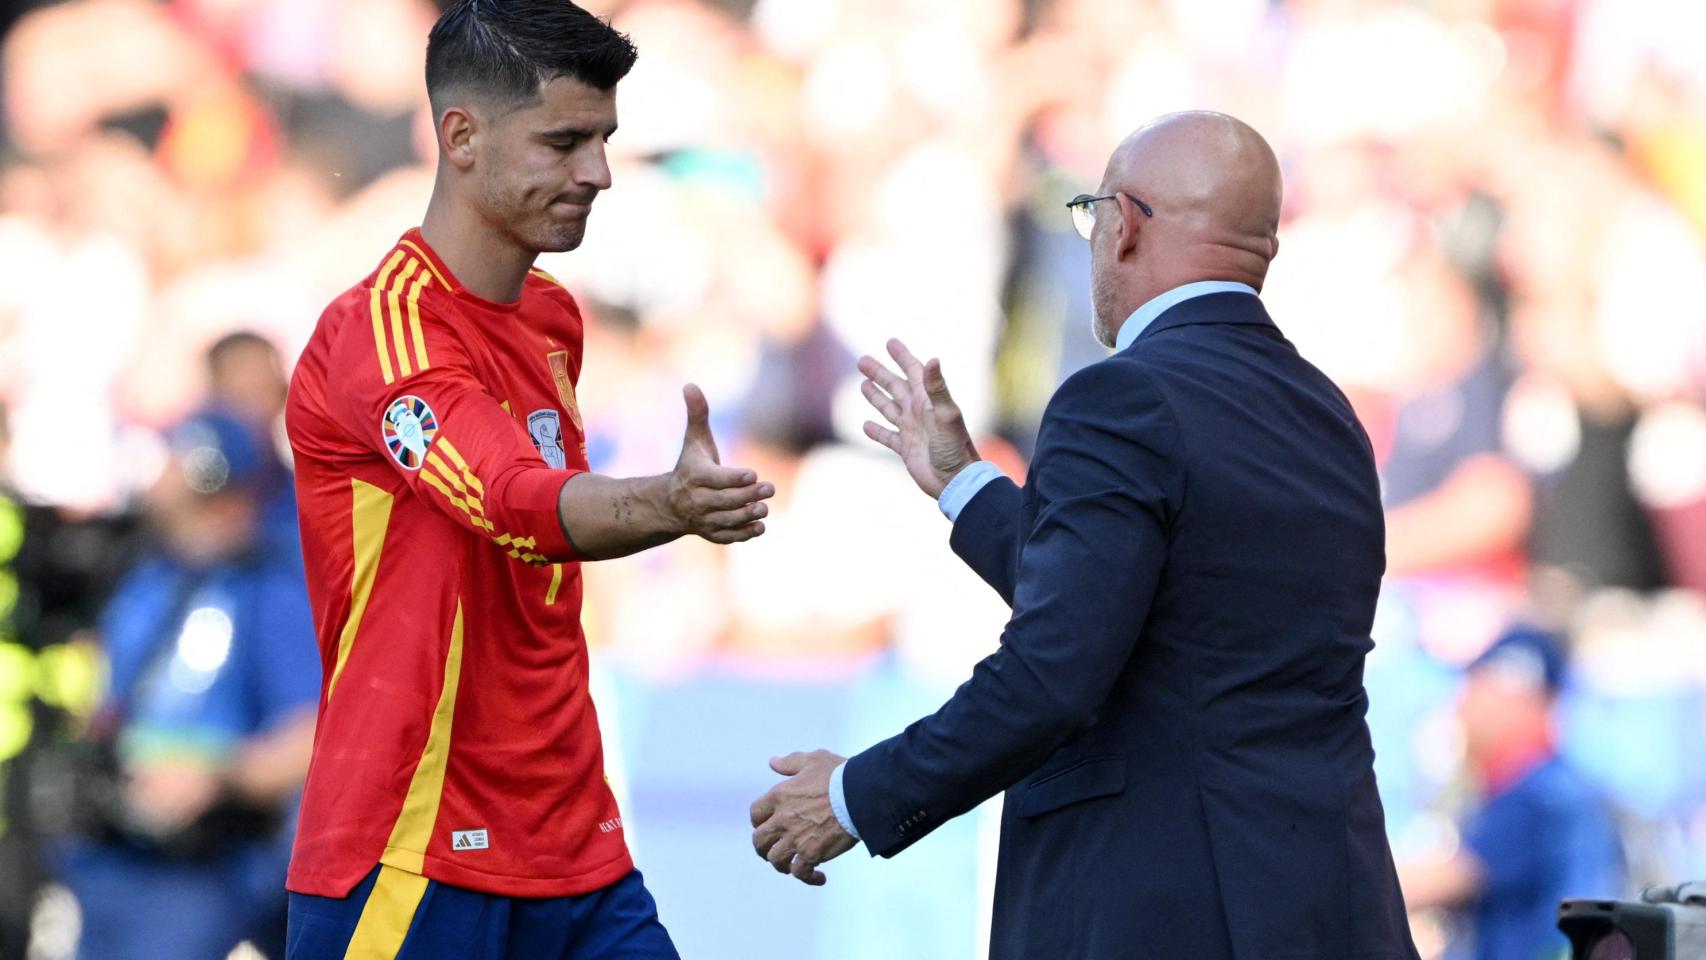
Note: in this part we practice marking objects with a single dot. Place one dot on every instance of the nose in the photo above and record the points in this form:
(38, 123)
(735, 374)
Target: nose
(594, 169)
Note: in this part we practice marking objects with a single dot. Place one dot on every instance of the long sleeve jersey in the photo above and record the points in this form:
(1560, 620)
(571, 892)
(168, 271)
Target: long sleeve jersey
(433, 432)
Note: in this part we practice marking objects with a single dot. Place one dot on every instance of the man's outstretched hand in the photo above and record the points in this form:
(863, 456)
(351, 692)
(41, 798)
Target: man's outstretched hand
(721, 504)
(605, 517)
(929, 433)
(794, 827)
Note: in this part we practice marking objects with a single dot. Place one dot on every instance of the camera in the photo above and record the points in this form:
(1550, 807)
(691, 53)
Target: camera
(1667, 923)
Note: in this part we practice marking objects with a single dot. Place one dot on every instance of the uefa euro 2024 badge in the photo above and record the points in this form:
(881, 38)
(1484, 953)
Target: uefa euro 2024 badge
(410, 427)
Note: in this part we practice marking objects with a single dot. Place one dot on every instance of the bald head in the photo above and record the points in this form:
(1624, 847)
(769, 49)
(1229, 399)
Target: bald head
(1214, 186)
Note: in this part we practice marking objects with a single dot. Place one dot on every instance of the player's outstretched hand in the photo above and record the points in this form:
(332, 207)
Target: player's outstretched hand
(929, 433)
(721, 504)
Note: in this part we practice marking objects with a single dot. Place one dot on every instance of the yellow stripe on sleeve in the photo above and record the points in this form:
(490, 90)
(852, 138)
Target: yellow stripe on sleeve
(387, 915)
(520, 548)
(406, 850)
(370, 517)
(380, 342)
(477, 520)
(461, 488)
(393, 296)
(462, 465)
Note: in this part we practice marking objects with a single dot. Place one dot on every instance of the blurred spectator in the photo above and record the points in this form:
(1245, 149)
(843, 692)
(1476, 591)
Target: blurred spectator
(209, 720)
(246, 379)
(1540, 832)
(1455, 502)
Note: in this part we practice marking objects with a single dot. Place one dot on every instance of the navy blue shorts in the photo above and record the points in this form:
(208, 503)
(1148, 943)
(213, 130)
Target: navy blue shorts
(396, 915)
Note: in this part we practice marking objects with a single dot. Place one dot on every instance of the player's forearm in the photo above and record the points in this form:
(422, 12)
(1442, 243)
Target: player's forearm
(605, 517)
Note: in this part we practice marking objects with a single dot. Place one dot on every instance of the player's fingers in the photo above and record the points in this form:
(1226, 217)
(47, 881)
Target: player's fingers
(741, 535)
(883, 402)
(710, 500)
(885, 378)
(817, 879)
(735, 519)
(719, 477)
(883, 435)
(909, 364)
(781, 856)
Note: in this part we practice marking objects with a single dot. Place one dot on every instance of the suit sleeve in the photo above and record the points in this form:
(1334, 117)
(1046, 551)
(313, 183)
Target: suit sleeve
(408, 391)
(986, 535)
(1109, 472)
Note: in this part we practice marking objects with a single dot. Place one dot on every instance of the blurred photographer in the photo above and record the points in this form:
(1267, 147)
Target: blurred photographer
(57, 566)
(1540, 834)
(185, 798)
(246, 378)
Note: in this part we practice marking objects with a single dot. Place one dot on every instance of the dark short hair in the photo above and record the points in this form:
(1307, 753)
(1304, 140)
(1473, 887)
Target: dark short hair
(503, 51)
(232, 342)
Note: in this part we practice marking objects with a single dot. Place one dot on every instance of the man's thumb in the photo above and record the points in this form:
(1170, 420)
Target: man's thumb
(789, 765)
(698, 421)
(934, 383)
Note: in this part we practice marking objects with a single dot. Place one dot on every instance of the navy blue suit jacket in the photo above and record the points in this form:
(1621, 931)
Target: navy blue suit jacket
(1176, 710)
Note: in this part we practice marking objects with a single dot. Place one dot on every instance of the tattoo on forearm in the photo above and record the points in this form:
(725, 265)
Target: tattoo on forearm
(622, 509)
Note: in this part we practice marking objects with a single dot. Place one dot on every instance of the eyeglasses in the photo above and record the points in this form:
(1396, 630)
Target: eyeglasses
(1084, 215)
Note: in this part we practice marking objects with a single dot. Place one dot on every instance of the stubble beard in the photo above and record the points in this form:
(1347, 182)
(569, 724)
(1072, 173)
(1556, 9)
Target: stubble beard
(561, 238)
(1099, 328)
(543, 233)
(527, 225)
(1099, 325)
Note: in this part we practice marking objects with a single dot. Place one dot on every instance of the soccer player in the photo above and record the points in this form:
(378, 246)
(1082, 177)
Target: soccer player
(456, 805)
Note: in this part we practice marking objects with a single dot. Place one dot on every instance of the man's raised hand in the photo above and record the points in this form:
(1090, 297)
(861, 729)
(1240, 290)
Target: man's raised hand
(721, 504)
(929, 433)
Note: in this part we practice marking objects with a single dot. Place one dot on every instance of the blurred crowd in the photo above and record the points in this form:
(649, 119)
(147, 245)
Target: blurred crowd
(1495, 242)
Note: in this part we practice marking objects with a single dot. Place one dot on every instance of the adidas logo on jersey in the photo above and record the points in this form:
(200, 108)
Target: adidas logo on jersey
(469, 840)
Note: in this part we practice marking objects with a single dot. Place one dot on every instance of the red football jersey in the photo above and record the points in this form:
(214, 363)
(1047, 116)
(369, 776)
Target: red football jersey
(433, 431)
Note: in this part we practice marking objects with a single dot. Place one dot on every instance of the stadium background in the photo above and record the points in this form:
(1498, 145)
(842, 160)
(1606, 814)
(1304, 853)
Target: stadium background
(795, 181)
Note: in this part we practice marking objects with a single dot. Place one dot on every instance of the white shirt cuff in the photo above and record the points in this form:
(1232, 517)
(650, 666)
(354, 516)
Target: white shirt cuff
(838, 801)
(964, 486)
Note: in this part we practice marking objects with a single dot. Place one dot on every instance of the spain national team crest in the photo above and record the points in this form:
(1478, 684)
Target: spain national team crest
(546, 429)
(566, 387)
(410, 427)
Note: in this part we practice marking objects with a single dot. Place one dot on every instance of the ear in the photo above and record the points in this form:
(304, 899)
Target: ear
(456, 129)
(1131, 221)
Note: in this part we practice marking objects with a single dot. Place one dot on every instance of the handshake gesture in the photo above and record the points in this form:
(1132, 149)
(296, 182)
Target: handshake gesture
(794, 825)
